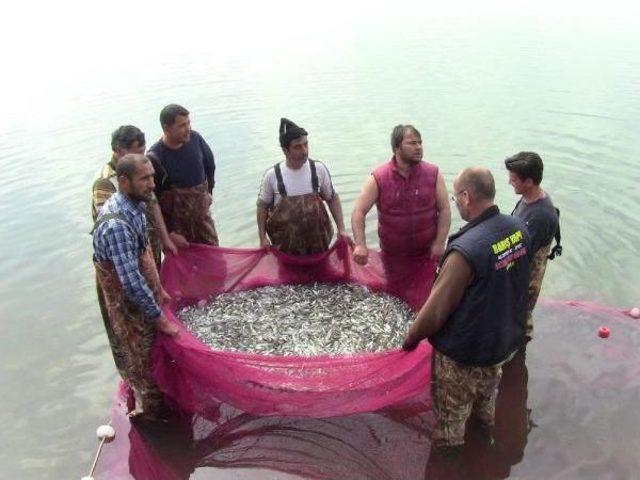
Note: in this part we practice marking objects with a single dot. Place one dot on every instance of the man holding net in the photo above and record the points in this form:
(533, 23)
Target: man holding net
(474, 315)
(129, 281)
(291, 212)
(126, 139)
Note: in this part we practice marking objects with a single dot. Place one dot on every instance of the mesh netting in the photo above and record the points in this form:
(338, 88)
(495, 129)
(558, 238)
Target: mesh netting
(366, 416)
(198, 379)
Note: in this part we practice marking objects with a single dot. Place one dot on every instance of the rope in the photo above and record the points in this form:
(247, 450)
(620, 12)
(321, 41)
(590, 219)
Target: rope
(97, 456)
(95, 460)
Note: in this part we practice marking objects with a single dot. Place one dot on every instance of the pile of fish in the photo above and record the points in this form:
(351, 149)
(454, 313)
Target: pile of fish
(308, 320)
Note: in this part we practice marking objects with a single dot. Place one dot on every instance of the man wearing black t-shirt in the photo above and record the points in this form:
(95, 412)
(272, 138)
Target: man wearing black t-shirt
(184, 177)
(536, 210)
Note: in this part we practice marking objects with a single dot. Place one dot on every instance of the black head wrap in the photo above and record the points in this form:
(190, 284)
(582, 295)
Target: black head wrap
(289, 132)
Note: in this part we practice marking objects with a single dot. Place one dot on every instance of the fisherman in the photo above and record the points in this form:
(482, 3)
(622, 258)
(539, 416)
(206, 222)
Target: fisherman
(541, 218)
(184, 177)
(411, 197)
(474, 315)
(129, 280)
(127, 139)
(291, 214)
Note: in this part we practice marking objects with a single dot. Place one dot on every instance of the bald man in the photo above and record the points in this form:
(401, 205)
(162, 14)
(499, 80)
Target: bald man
(474, 316)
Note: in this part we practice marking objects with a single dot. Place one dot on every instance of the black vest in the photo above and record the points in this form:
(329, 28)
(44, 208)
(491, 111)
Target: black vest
(489, 323)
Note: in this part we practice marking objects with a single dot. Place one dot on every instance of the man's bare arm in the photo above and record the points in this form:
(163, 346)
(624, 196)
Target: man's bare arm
(163, 234)
(444, 219)
(261, 218)
(335, 207)
(366, 200)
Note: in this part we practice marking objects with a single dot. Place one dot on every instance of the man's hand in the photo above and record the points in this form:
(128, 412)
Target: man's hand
(437, 250)
(166, 327)
(264, 242)
(360, 255)
(409, 344)
(345, 235)
(412, 338)
(164, 296)
(169, 246)
(178, 240)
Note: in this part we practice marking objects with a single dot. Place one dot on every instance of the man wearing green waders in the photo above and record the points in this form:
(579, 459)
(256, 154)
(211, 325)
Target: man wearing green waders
(291, 213)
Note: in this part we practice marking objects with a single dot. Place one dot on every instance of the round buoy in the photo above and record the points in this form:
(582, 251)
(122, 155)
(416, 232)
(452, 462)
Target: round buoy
(635, 312)
(105, 432)
(604, 332)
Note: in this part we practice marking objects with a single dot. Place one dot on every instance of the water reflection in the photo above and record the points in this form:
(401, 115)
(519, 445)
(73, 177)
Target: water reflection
(490, 455)
(394, 444)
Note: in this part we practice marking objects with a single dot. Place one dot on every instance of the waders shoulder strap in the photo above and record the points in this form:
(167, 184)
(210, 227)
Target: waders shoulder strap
(106, 218)
(281, 190)
(314, 177)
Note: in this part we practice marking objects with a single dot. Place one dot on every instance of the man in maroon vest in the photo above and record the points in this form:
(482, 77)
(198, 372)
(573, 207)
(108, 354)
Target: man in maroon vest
(413, 207)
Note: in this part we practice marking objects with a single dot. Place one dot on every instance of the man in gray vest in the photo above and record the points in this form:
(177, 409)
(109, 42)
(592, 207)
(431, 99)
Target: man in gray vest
(474, 316)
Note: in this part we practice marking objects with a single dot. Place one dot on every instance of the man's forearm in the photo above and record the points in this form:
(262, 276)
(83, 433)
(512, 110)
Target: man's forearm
(335, 207)
(261, 218)
(358, 227)
(444, 224)
(158, 221)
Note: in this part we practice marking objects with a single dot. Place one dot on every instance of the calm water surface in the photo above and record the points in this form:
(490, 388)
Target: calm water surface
(479, 84)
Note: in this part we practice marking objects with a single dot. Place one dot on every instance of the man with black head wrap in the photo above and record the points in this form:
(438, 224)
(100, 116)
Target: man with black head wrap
(291, 213)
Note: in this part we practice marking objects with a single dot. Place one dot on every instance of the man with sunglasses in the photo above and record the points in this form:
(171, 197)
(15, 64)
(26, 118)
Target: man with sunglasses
(537, 211)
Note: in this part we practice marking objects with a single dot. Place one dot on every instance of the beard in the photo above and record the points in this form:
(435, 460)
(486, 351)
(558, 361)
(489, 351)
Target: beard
(410, 158)
(141, 196)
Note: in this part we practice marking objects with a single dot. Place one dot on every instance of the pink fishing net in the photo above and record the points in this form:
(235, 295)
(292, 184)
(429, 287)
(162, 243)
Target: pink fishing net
(197, 379)
(367, 416)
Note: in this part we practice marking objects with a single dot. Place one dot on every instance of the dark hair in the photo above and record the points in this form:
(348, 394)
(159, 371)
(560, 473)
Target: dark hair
(397, 134)
(169, 113)
(128, 164)
(479, 182)
(125, 136)
(526, 165)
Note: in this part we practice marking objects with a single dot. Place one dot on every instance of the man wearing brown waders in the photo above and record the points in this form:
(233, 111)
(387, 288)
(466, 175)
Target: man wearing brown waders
(129, 280)
(127, 139)
(291, 213)
(184, 177)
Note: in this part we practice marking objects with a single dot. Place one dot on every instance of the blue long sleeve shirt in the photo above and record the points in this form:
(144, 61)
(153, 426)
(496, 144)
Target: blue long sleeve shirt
(122, 243)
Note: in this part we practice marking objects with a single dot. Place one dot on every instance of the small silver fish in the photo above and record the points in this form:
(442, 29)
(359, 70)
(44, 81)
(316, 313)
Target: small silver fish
(300, 320)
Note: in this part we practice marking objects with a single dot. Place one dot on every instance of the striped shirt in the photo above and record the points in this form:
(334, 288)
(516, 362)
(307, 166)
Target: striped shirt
(122, 243)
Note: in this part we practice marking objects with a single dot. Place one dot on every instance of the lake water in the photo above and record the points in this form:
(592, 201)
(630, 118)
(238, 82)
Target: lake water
(480, 83)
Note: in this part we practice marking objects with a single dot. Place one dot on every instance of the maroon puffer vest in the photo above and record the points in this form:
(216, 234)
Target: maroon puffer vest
(407, 213)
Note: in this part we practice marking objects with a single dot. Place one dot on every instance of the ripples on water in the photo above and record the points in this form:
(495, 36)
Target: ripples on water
(478, 91)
